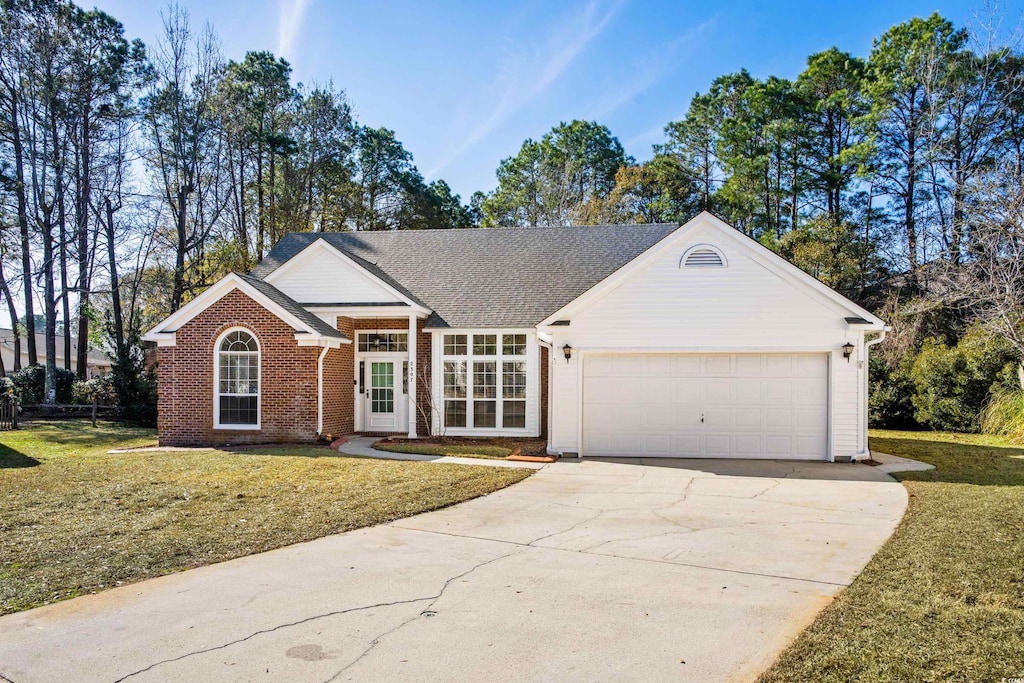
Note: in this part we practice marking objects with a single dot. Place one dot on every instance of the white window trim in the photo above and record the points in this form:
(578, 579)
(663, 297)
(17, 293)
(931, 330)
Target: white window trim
(529, 358)
(216, 383)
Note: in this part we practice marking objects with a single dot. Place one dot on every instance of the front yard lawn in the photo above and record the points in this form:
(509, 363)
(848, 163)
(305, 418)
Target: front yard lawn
(75, 519)
(944, 598)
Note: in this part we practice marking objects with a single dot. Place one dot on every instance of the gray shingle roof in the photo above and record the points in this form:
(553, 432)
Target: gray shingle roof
(292, 306)
(495, 277)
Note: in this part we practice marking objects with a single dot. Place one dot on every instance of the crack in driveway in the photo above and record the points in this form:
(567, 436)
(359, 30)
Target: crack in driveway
(433, 601)
(270, 630)
(433, 598)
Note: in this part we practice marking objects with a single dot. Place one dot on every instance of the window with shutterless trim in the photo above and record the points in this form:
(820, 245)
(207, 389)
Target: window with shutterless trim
(238, 380)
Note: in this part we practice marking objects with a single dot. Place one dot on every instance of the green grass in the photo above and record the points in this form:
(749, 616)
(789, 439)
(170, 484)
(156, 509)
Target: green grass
(943, 600)
(486, 452)
(75, 519)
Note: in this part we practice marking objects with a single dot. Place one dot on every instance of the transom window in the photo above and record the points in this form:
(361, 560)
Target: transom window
(238, 381)
(485, 381)
(383, 341)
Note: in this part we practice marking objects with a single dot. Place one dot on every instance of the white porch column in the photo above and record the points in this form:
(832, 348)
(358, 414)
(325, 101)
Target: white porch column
(412, 377)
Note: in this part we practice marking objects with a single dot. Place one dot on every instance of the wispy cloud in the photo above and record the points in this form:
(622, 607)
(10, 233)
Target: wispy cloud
(651, 75)
(289, 25)
(523, 78)
(657, 64)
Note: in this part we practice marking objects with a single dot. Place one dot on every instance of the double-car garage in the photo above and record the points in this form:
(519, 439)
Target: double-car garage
(714, 405)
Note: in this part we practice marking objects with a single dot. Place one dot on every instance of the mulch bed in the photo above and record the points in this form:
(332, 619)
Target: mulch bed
(527, 446)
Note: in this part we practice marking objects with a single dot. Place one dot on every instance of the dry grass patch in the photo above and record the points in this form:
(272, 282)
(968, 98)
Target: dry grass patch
(78, 520)
(944, 598)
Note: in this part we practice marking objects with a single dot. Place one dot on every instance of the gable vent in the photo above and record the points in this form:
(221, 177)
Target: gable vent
(703, 257)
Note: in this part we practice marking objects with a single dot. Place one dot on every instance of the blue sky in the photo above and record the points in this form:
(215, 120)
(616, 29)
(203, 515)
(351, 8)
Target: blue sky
(464, 83)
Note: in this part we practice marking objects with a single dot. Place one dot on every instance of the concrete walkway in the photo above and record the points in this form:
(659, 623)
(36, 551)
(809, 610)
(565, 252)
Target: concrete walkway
(895, 463)
(613, 571)
(363, 447)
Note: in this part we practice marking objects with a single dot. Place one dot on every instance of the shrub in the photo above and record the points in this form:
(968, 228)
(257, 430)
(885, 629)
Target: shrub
(30, 384)
(889, 398)
(99, 388)
(1004, 415)
(952, 384)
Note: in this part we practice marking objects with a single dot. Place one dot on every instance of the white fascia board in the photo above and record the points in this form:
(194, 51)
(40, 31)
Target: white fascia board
(368, 311)
(213, 294)
(305, 339)
(759, 253)
(321, 244)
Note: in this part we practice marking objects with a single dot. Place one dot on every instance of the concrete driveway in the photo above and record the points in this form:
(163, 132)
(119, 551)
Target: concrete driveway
(664, 570)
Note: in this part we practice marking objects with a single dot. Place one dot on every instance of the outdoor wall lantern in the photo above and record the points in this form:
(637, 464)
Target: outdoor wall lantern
(847, 351)
(567, 350)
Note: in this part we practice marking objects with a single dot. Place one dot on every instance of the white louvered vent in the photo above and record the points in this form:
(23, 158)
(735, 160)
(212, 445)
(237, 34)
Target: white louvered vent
(703, 257)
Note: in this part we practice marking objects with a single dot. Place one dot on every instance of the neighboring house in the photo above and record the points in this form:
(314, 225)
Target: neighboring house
(639, 340)
(97, 362)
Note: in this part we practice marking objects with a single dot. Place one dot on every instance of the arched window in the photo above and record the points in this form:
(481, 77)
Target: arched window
(702, 256)
(237, 368)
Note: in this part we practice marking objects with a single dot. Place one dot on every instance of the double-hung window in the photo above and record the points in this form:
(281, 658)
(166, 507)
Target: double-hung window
(238, 381)
(484, 381)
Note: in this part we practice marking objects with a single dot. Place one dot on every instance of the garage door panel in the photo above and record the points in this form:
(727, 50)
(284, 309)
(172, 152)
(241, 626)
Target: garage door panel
(813, 365)
(778, 418)
(748, 365)
(657, 366)
(658, 444)
(686, 366)
(685, 417)
(718, 445)
(776, 446)
(687, 391)
(656, 390)
(718, 391)
(748, 418)
(742, 445)
(686, 445)
(753, 405)
(749, 391)
(659, 418)
(717, 365)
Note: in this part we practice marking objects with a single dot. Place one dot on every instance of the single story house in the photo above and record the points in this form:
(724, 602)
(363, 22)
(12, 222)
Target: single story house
(617, 340)
(98, 363)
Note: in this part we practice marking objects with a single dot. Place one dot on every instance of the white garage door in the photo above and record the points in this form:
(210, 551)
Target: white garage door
(706, 405)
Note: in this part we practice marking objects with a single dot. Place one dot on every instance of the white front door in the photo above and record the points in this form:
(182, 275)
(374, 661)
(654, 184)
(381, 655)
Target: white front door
(384, 400)
(706, 405)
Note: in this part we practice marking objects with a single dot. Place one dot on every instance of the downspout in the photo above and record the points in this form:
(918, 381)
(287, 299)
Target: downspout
(320, 390)
(867, 346)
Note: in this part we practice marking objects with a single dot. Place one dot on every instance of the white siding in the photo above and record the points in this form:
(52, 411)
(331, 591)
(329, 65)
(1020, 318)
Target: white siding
(744, 307)
(320, 275)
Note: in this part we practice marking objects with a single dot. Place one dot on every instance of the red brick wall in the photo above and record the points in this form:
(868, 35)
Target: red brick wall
(287, 383)
(337, 377)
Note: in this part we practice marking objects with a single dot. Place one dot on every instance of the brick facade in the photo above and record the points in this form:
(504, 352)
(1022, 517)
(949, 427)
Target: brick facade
(288, 378)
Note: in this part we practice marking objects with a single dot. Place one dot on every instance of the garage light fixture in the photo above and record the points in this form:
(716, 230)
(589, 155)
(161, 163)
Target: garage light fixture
(847, 351)
(567, 350)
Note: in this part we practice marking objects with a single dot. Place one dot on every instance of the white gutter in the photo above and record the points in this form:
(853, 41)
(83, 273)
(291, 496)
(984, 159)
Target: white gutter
(866, 453)
(320, 390)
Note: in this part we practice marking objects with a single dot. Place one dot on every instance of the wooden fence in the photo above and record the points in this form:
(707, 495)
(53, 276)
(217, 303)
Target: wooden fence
(8, 413)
